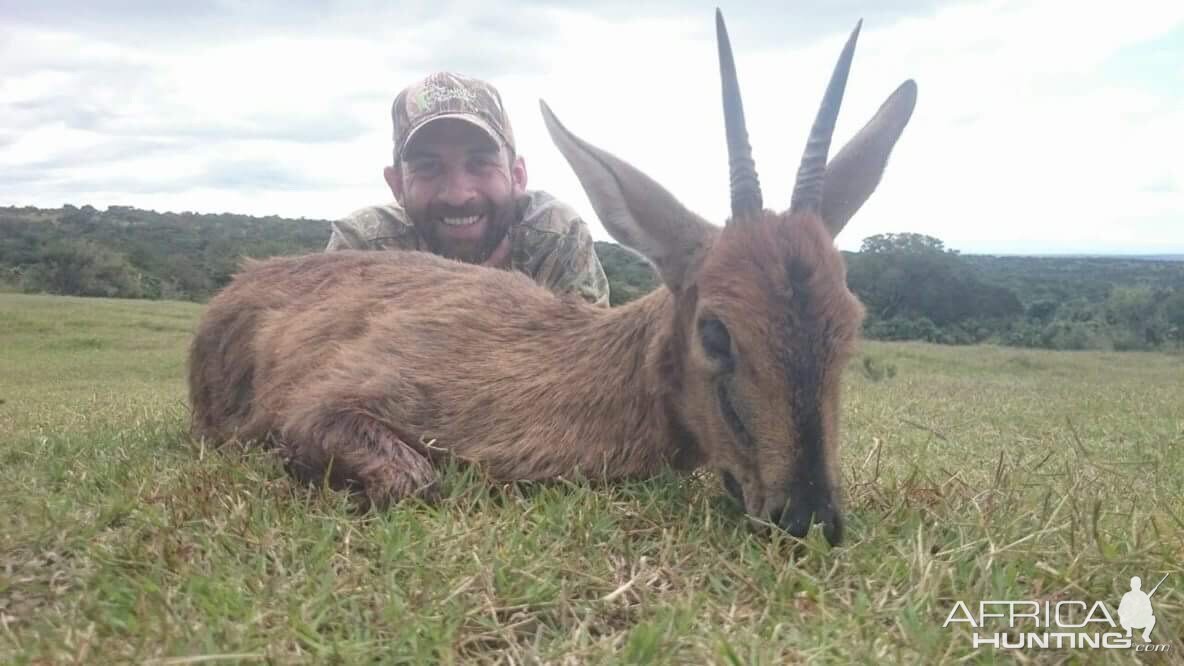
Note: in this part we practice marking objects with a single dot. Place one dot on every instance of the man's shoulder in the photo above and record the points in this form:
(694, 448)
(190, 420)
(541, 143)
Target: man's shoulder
(388, 217)
(554, 245)
(373, 227)
(545, 226)
(543, 213)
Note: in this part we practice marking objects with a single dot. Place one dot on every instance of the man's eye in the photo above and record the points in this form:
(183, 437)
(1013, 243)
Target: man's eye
(482, 163)
(424, 168)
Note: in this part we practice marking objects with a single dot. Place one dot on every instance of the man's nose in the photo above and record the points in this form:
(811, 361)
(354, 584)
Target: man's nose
(458, 189)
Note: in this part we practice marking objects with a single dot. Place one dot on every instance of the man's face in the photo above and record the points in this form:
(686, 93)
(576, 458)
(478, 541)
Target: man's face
(458, 187)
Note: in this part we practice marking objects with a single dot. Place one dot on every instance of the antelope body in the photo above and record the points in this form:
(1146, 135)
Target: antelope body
(348, 361)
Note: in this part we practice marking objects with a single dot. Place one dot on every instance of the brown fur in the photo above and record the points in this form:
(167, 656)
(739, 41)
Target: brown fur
(349, 361)
(319, 354)
(355, 357)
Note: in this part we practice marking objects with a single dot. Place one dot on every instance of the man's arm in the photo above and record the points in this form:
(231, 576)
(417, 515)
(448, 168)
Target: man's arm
(343, 236)
(574, 267)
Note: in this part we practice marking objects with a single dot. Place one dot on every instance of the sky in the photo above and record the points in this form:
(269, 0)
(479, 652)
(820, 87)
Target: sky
(1041, 126)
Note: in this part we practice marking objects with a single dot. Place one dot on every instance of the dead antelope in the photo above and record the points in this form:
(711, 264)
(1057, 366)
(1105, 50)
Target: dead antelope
(348, 361)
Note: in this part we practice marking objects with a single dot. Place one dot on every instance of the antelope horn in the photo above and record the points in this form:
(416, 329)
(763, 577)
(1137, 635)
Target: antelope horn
(807, 191)
(746, 187)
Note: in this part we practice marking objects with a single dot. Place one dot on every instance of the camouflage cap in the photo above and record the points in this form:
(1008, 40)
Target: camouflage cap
(448, 95)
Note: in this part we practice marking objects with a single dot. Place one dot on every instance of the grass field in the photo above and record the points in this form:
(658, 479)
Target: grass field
(970, 474)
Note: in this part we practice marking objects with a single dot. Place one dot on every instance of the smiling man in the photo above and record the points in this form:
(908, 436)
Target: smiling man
(460, 192)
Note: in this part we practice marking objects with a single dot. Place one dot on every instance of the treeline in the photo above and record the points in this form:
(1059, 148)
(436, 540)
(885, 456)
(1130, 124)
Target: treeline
(126, 252)
(914, 288)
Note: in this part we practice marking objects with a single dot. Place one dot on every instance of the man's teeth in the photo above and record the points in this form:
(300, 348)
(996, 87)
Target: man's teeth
(460, 221)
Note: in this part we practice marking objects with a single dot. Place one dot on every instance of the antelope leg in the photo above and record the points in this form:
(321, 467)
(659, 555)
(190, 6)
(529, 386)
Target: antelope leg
(357, 452)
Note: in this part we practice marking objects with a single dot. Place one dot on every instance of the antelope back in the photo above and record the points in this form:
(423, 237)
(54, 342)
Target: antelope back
(762, 322)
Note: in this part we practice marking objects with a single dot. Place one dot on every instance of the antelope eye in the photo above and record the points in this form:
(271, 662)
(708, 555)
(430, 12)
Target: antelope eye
(716, 341)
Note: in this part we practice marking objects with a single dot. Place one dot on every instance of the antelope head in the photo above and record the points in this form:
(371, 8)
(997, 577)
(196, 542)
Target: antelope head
(761, 320)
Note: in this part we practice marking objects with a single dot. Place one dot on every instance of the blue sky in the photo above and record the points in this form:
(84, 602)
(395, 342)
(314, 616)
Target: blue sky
(1041, 126)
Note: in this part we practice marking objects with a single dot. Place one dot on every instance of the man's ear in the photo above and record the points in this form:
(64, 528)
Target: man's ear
(394, 180)
(518, 176)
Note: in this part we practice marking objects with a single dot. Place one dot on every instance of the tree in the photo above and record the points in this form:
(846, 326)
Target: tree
(904, 243)
(1173, 313)
(1136, 313)
(84, 268)
(913, 277)
(629, 274)
(1042, 310)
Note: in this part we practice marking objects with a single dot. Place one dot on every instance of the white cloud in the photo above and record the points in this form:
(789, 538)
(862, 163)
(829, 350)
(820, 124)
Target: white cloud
(1021, 140)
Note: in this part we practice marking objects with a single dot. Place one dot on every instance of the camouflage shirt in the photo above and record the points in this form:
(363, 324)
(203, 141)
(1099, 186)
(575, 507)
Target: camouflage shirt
(548, 241)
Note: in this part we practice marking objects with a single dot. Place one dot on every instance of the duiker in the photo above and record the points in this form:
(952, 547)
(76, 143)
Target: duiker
(347, 362)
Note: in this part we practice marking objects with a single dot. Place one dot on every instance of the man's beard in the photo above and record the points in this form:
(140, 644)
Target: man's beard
(498, 220)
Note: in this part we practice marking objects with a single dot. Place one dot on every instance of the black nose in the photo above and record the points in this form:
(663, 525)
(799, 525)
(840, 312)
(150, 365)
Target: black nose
(800, 516)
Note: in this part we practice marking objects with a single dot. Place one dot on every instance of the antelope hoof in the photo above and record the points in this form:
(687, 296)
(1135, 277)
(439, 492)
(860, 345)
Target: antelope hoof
(382, 488)
(403, 473)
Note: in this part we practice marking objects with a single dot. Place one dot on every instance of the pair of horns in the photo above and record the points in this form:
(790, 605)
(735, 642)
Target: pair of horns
(745, 186)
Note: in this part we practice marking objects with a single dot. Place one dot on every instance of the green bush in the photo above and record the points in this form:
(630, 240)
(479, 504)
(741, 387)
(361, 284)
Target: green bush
(83, 268)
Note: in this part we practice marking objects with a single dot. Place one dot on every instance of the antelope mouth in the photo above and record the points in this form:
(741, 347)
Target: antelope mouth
(795, 517)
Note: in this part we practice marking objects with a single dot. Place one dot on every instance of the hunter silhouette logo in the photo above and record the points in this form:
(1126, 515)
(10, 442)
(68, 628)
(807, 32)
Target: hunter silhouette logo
(1029, 624)
(1135, 612)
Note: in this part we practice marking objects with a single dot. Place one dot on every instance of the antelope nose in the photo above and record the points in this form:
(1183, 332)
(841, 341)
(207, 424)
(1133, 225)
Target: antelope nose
(800, 516)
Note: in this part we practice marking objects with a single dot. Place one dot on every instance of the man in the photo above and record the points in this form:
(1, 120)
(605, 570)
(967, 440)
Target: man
(460, 192)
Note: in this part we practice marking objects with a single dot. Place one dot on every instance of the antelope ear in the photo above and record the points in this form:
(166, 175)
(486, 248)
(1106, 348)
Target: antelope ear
(638, 212)
(855, 171)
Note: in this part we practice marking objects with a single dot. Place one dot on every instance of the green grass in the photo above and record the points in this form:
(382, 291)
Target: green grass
(970, 473)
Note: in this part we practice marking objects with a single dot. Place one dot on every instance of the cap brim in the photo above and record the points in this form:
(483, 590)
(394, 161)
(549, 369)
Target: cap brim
(470, 118)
